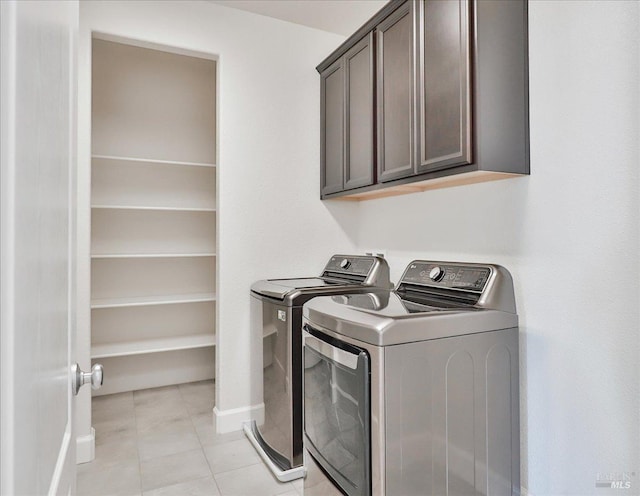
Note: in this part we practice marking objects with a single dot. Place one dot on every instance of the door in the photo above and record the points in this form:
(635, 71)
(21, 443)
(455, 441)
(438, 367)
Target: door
(443, 94)
(37, 139)
(337, 421)
(332, 128)
(395, 95)
(278, 439)
(359, 105)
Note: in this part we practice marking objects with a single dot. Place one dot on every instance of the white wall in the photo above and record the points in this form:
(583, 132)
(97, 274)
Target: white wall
(569, 235)
(270, 222)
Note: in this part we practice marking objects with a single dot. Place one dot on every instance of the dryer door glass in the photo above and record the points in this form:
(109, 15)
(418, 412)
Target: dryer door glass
(337, 410)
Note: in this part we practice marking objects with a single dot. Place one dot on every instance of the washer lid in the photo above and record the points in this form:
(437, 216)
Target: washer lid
(290, 289)
(341, 273)
(279, 288)
(384, 318)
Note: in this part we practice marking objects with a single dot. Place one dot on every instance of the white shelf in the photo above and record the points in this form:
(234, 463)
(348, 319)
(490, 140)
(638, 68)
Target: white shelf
(150, 255)
(152, 231)
(152, 346)
(145, 185)
(147, 346)
(140, 301)
(152, 161)
(152, 104)
(150, 207)
(131, 373)
(152, 277)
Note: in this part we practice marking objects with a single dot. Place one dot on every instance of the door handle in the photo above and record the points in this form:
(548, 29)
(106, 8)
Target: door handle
(336, 354)
(80, 378)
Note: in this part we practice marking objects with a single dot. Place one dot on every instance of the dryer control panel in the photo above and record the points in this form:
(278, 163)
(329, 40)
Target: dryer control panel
(447, 275)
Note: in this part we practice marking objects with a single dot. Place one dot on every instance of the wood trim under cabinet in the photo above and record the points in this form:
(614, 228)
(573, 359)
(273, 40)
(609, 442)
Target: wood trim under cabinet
(473, 177)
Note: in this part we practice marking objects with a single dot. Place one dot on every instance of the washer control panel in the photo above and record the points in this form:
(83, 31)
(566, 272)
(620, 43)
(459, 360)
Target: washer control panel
(463, 277)
(350, 265)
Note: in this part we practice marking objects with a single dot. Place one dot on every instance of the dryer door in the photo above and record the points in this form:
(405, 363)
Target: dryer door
(337, 410)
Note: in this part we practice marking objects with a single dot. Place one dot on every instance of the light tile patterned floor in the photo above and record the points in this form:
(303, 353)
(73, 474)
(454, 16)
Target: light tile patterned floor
(160, 442)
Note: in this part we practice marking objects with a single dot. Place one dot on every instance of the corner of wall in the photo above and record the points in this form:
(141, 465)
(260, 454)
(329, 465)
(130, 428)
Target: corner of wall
(232, 419)
(86, 447)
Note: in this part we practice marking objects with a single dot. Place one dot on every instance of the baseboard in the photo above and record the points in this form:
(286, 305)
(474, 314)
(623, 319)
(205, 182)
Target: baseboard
(86, 447)
(232, 420)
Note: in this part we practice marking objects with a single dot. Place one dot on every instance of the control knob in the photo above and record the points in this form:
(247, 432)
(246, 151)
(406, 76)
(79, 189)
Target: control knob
(345, 263)
(436, 274)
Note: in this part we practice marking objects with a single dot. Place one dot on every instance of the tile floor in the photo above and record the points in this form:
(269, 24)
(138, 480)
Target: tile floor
(160, 442)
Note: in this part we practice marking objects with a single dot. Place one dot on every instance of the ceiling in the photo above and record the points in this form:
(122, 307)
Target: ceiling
(336, 16)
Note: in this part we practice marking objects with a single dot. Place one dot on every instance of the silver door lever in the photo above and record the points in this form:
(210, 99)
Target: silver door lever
(80, 378)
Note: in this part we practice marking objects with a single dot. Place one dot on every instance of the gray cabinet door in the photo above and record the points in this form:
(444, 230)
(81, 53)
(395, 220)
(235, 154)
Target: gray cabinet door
(443, 116)
(395, 95)
(359, 105)
(332, 128)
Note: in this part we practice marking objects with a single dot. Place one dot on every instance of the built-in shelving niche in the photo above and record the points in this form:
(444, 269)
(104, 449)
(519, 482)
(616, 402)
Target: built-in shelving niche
(153, 215)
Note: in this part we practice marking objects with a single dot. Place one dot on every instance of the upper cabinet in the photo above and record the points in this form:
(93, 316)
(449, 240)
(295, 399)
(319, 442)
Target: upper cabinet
(332, 130)
(443, 87)
(395, 95)
(347, 119)
(359, 142)
(448, 103)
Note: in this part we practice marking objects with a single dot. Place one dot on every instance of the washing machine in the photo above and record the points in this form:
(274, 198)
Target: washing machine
(276, 314)
(414, 391)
